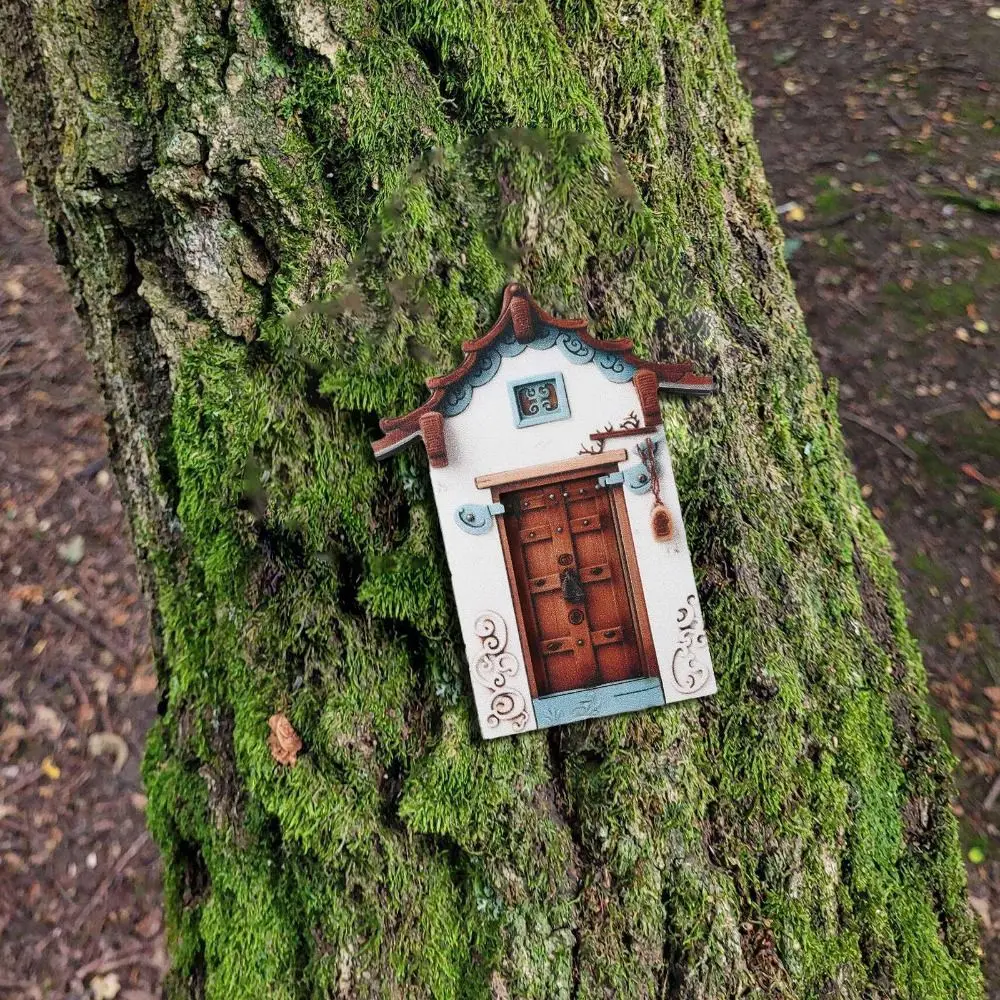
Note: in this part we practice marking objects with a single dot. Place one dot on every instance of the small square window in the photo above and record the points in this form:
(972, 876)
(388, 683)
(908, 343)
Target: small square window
(538, 399)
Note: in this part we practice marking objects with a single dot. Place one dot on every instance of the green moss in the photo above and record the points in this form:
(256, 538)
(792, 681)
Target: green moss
(830, 198)
(927, 567)
(927, 302)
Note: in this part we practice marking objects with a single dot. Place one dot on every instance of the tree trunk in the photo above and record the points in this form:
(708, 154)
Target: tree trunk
(203, 170)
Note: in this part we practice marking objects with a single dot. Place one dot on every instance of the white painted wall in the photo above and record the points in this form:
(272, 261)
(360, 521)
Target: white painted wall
(484, 439)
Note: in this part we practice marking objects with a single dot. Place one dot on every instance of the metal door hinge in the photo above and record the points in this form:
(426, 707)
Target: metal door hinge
(477, 518)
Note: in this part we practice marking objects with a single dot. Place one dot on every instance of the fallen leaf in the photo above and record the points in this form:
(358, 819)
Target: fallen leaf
(50, 769)
(993, 693)
(28, 593)
(105, 987)
(973, 473)
(47, 722)
(954, 641)
(71, 551)
(977, 855)
(993, 412)
(144, 682)
(993, 13)
(149, 926)
(11, 736)
(13, 288)
(284, 742)
(99, 744)
(963, 730)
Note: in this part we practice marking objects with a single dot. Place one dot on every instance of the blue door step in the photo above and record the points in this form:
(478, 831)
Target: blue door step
(596, 702)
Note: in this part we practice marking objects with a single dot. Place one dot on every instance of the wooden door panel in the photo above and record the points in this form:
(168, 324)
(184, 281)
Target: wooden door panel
(617, 662)
(580, 632)
(566, 673)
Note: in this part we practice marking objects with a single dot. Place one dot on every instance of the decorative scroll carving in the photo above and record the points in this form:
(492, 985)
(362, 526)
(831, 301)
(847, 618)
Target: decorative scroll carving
(507, 707)
(613, 367)
(508, 344)
(456, 399)
(486, 366)
(536, 397)
(458, 396)
(688, 667)
(494, 667)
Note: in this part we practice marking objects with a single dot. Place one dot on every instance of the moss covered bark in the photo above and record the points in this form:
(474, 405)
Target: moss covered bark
(207, 168)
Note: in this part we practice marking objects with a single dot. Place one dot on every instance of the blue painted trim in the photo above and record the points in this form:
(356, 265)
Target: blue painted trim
(576, 351)
(637, 478)
(546, 339)
(610, 365)
(598, 702)
(456, 399)
(486, 366)
(561, 412)
(477, 518)
(613, 368)
(508, 345)
(611, 479)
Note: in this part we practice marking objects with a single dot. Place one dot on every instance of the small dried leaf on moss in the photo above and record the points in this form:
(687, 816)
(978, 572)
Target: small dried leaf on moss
(283, 742)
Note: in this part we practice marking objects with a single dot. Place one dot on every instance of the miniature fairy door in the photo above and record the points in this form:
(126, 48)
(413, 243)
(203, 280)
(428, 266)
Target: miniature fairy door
(561, 522)
(571, 575)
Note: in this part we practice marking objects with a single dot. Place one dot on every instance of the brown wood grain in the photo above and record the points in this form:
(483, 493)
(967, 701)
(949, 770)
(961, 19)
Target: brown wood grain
(571, 525)
(550, 469)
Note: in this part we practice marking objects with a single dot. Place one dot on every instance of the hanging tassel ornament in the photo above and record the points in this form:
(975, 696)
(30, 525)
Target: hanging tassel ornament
(662, 523)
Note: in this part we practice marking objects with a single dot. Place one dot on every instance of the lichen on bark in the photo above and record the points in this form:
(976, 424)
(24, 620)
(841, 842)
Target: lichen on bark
(206, 169)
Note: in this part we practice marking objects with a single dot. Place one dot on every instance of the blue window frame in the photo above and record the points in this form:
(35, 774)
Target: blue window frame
(538, 400)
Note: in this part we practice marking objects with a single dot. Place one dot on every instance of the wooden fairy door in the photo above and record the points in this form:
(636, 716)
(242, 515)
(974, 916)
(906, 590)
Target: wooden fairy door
(570, 560)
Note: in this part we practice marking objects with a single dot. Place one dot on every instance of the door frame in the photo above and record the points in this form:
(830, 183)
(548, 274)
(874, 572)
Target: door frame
(541, 475)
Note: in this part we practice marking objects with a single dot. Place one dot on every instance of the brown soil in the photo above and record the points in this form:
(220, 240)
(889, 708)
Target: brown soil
(877, 127)
(79, 878)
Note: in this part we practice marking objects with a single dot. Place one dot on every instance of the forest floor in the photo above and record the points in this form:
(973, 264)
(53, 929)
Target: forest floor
(879, 125)
(79, 877)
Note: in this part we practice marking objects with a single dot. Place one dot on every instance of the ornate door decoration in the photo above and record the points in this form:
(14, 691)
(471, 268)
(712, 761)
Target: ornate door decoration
(578, 551)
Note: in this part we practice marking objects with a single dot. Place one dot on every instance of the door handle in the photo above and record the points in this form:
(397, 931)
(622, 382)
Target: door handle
(572, 589)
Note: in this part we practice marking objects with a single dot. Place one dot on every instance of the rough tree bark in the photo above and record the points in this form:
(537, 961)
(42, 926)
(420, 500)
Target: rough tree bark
(206, 167)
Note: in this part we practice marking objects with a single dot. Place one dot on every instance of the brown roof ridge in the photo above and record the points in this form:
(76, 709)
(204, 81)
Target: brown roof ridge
(525, 315)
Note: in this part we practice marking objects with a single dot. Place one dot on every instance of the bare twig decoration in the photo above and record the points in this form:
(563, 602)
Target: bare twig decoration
(661, 522)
